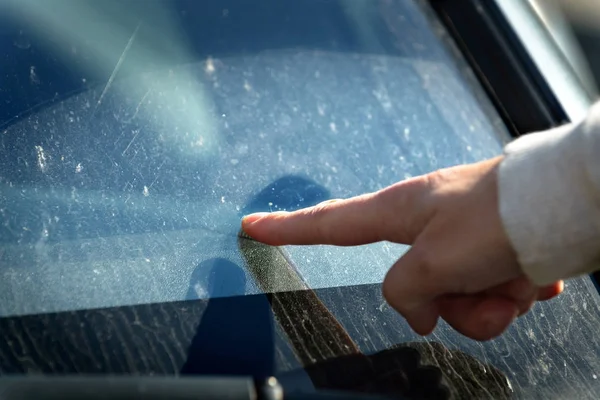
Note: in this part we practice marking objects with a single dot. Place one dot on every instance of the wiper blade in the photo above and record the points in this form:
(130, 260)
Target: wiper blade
(329, 355)
(155, 388)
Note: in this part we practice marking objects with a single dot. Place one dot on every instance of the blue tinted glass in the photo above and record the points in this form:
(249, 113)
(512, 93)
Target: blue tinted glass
(136, 134)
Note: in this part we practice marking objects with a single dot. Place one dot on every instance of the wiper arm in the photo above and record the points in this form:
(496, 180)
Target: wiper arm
(329, 355)
(314, 332)
(155, 388)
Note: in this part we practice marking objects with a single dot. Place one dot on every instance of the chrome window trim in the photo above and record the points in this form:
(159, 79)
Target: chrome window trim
(545, 54)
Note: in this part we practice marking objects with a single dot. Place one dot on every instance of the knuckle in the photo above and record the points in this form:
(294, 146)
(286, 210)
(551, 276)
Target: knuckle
(318, 216)
(419, 184)
(403, 210)
(444, 178)
(321, 208)
(427, 272)
(438, 178)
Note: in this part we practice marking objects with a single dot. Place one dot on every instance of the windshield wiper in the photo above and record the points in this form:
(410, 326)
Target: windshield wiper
(156, 388)
(328, 353)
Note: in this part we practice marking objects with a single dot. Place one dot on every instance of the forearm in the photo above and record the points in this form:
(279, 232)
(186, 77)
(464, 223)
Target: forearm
(549, 196)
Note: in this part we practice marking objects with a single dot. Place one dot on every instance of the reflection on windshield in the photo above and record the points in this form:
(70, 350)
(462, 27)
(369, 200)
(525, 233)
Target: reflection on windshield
(143, 152)
(134, 135)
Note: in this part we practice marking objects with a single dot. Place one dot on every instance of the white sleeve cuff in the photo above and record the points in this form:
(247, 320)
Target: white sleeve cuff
(549, 200)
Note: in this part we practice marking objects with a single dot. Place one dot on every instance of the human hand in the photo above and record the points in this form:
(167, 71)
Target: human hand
(461, 265)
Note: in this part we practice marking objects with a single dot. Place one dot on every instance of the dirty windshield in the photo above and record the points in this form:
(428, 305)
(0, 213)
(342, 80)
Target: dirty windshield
(135, 135)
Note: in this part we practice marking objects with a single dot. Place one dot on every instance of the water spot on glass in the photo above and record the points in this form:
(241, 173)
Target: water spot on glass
(198, 143)
(209, 66)
(33, 77)
(242, 149)
(41, 158)
(200, 291)
(22, 42)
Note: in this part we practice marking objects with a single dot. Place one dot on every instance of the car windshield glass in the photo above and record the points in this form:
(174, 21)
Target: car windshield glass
(134, 135)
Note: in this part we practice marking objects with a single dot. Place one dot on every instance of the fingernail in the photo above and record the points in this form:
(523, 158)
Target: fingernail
(251, 218)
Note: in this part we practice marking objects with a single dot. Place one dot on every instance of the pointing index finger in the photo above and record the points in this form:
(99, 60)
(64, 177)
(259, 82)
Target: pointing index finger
(347, 222)
(396, 213)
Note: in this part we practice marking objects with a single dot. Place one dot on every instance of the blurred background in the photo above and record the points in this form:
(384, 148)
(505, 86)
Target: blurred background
(578, 19)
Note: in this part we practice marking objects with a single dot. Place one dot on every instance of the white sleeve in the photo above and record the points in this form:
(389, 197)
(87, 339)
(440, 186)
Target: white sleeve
(549, 199)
